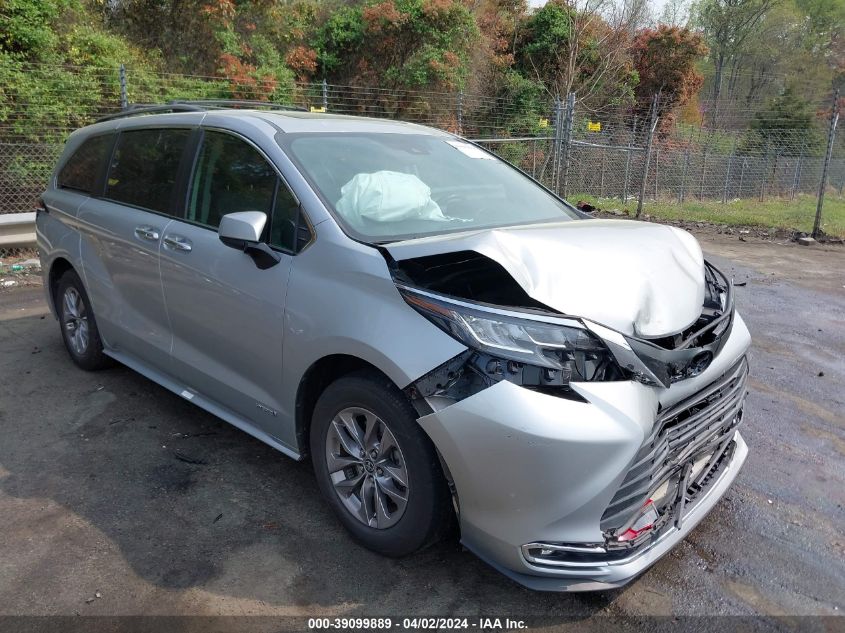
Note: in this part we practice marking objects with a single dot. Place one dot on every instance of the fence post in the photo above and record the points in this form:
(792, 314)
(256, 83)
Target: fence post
(842, 182)
(834, 119)
(682, 192)
(460, 112)
(765, 173)
(704, 164)
(742, 175)
(325, 89)
(628, 161)
(656, 170)
(124, 98)
(728, 174)
(796, 180)
(652, 126)
(567, 140)
(601, 178)
(556, 146)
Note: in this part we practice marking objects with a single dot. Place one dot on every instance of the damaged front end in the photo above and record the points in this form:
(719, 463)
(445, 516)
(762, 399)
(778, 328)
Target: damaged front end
(687, 452)
(668, 359)
(510, 336)
(543, 354)
(611, 444)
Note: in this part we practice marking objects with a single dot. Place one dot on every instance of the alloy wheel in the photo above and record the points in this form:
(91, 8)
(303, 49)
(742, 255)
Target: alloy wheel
(367, 468)
(75, 320)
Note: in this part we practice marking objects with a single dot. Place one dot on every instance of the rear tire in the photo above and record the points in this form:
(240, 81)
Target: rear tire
(376, 467)
(79, 328)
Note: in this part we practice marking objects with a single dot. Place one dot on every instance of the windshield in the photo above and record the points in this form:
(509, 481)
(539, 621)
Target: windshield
(389, 187)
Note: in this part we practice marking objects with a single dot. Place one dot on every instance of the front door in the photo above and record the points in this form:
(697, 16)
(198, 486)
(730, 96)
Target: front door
(227, 315)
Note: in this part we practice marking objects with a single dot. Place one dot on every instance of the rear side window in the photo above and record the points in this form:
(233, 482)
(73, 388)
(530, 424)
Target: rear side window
(144, 168)
(230, 176)
(83, 168)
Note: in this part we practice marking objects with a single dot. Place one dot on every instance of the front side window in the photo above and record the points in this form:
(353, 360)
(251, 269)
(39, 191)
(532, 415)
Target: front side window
(388, 187)
(230, 176)
(144, 168)
(83, 168)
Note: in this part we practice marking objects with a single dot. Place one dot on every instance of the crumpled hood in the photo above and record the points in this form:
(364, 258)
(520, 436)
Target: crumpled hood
(635, 277)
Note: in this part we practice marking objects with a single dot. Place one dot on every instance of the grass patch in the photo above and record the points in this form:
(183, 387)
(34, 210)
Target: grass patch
(779, 213)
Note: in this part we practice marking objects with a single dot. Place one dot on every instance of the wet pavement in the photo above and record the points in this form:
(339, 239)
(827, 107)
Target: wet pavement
(100, 514)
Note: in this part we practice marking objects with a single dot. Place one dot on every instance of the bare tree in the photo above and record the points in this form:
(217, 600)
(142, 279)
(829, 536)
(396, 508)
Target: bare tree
(631, 15)
(675, 13)
(727, 24)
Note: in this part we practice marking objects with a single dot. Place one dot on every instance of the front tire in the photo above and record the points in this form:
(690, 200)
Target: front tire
(375, 466)
(79, 328)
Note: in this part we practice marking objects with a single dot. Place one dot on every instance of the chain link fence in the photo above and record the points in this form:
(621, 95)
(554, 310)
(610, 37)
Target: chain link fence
(708, 164)
(24, 170)
(568, 149)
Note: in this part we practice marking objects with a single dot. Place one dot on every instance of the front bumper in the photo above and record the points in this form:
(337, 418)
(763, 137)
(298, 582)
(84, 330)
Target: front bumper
(535, 468)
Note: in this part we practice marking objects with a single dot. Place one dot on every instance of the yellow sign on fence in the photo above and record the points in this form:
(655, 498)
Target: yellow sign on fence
(544, 123)
(594, 126)
(313, 109)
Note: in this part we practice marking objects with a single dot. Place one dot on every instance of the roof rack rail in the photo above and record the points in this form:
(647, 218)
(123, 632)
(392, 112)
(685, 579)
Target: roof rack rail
(149, 108)
(200, 105)
(229, 103)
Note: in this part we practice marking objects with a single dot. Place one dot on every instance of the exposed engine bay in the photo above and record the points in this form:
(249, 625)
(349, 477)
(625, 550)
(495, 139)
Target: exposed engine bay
(466, 275)
(459, 290)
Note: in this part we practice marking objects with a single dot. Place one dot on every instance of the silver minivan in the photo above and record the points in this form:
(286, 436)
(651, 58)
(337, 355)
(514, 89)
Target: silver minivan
(444, 338)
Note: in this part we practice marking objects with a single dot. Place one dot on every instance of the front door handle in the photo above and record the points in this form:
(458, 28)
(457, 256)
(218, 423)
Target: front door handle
(147, 233)
(177, 243)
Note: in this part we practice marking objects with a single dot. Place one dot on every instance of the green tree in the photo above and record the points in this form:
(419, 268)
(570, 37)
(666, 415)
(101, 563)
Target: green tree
(58, 68)
(398, 44)
(570, 47)
(787, 126)
(25, 26)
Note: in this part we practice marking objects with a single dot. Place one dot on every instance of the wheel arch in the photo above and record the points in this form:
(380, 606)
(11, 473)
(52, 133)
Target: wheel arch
(314, 381)
(58, 267)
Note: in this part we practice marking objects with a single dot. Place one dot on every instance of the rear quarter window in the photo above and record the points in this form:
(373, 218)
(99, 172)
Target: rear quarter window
(83, 168)
(144, 167)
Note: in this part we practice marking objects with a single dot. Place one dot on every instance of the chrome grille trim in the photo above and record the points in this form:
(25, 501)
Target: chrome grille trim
(578, 558)
(680, 433)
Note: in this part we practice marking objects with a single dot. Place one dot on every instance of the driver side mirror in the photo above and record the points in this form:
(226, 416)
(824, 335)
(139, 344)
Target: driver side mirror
(242, 230)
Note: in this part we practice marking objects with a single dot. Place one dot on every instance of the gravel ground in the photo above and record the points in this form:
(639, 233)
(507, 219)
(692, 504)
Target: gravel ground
(98, 515)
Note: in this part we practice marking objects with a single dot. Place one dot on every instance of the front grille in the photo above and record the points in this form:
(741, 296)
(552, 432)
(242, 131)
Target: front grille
(681, 433)
(585, 555)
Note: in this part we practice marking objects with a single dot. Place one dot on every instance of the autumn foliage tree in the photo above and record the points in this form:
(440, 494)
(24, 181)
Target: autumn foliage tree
(665, 59)
(511, 58)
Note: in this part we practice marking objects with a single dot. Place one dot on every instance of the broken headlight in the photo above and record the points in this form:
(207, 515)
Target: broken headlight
(526, 351)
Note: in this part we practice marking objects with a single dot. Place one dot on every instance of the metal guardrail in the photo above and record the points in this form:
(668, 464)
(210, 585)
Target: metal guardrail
(17, 230)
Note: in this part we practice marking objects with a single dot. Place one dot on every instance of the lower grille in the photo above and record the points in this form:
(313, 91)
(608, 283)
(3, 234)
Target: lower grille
(684, 432)
(596, 555)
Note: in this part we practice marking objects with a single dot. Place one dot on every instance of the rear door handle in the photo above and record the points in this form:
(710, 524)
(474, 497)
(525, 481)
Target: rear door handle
(178, 243)
(147, 233)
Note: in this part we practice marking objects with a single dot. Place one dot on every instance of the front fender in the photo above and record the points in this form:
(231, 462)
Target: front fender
(342, 300)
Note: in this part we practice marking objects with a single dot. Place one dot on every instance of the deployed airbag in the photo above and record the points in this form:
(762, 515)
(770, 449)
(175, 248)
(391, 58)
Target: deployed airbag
(387, 196)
